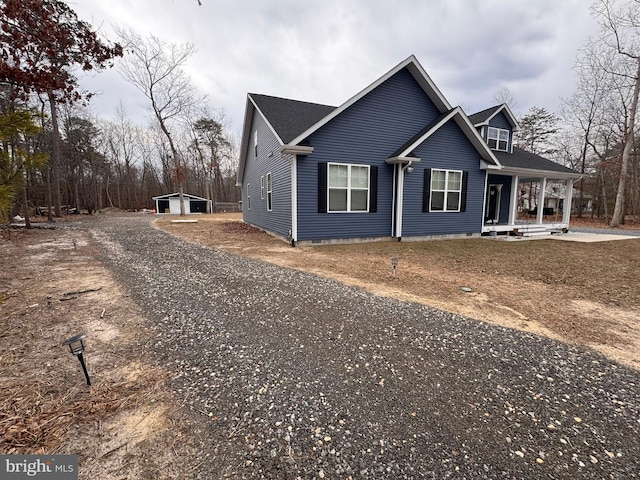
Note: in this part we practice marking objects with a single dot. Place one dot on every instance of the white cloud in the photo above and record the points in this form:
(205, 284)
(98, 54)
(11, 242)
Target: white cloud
(327, 51)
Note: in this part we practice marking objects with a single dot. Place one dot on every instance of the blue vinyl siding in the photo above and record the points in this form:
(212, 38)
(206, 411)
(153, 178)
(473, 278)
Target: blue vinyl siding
(505, 196)
(367, 133)
(269, 159)
(447, 149)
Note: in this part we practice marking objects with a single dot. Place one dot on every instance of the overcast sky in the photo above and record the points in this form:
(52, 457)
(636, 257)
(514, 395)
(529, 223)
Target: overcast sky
(326, 51)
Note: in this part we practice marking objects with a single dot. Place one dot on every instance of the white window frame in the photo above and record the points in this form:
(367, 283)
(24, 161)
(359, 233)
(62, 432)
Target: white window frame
(248, 196)
(262, 187)
(348, 188)
(255, 143)
(269, 192)
(493, 134)
(446, 190)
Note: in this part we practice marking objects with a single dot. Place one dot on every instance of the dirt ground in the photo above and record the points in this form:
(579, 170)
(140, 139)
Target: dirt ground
(128, 424)
(579, 293)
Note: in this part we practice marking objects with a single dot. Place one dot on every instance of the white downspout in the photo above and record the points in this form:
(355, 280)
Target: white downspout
(294, 199)
(400, 200)
(393, 199)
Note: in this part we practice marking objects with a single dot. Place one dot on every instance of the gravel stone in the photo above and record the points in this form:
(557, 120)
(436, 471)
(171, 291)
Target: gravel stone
(285, 374)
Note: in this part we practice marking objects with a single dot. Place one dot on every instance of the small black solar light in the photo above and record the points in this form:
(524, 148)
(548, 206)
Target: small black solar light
(394, 264)
(76, 347)
(75, 245)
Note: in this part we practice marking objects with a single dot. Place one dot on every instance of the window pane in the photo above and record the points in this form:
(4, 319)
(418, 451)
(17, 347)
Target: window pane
(359, 200)
(338, 175)
(438, 179)
(437, 200)
(269, 182)
(337, 200)
(453, 201)
(503, 135)
(492, 143)
(502, 145)
(455, 181)
(359, 177)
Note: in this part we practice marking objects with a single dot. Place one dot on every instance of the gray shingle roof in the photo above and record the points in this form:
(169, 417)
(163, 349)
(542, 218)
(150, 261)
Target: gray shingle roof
(523, 159)
(290, 118)
(484, 115)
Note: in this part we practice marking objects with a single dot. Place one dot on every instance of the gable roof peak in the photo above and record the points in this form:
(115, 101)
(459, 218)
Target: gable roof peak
(415, 69)
(484, 117)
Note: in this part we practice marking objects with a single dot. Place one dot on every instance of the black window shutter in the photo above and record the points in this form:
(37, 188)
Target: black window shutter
(373, 189)
(463, 193)
(322, 187)
(426, 190)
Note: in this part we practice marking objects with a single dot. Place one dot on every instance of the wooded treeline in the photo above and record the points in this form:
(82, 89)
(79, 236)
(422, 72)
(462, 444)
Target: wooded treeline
(595, 132)
(56, 156)
(115, 163)
(54, 152)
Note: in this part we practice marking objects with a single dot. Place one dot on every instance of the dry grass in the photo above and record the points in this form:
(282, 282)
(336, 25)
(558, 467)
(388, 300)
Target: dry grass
(50, 292)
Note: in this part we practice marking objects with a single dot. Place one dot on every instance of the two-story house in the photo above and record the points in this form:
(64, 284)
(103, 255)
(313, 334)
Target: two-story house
(394, 161)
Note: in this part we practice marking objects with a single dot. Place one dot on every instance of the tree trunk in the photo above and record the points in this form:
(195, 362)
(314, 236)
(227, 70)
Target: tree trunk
(181, 196)
(55, 160)
(604, 195)
(27, 220)
(619, 209)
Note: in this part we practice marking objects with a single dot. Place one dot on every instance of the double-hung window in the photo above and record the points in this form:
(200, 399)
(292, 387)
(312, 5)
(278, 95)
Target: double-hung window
(248, 196)
(498, 139)
(348, 188)
(262, 188)
(269, 192)
(446, 190)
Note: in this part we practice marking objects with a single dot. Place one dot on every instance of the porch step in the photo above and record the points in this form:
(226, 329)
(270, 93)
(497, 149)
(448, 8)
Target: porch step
(536, 233)
(534, 230)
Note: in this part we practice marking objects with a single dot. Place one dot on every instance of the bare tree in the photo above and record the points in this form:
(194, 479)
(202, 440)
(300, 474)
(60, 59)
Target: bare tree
(156, 68)
(504, 95)
(620, 27)
(584, 112)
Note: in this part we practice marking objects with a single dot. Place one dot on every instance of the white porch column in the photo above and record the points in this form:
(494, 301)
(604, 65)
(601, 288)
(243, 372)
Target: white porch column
(513, 202)
(543, 187)
(568, 197)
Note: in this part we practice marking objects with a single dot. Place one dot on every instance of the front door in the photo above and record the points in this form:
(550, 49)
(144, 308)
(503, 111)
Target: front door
(493, 204)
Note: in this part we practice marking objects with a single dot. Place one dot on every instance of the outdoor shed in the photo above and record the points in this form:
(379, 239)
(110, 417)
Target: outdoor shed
(170, 204)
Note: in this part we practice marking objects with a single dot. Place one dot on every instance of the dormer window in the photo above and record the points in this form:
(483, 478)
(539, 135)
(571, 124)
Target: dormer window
(498, 139)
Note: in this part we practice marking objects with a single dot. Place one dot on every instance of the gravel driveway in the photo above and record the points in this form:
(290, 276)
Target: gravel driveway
(289, 375)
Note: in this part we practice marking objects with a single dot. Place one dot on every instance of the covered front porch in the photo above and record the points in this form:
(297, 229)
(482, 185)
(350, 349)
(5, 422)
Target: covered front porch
(518, 203)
